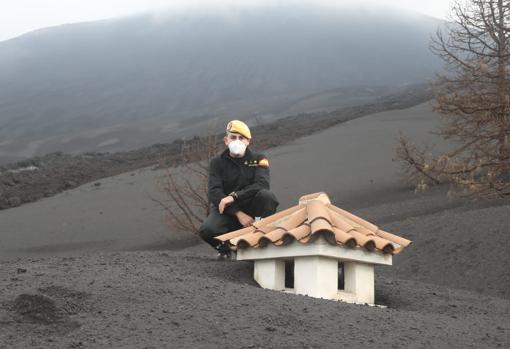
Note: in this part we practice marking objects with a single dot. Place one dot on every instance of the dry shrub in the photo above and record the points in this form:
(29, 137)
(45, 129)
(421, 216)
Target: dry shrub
(473, 98)
(184, 184)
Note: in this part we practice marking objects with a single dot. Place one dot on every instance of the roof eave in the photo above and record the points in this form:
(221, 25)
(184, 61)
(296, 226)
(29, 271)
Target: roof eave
(320, 247)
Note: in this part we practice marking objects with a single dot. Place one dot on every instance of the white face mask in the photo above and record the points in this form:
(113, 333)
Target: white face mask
(237, 147)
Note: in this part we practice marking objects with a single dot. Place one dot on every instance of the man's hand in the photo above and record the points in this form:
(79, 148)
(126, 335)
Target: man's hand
(227, 200)
(244, 219)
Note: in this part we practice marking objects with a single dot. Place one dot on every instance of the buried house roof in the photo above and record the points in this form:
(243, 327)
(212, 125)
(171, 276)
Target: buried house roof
(315, 216)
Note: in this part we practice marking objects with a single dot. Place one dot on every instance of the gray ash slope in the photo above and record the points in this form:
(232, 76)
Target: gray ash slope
(43, 176)
(184, 298)
(128, 82)
(67, 285)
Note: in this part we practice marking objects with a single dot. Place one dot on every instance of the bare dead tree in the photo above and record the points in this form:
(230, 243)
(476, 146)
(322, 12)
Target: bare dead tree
(473, 97)
(184, 184)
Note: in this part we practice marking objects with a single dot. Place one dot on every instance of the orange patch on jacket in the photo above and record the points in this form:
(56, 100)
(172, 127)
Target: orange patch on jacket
(264, 163)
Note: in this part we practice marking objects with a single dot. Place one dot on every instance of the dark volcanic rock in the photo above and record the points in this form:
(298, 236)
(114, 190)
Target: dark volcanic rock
(14, 201)
(36, 308)
(33, 179)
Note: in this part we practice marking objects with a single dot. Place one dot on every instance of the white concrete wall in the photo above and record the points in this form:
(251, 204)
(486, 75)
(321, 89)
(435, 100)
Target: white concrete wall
(359, 280)
(270, 273)
(320, 247)
(316, 276)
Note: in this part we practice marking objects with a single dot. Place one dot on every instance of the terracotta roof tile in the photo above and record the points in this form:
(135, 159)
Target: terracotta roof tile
(294, 220)
(363, 240)
(315, 196)
(352, 217)
(266, 229)
(400, 241)
(251, 239)
(236, 233)
(278, 216)
(273, 237)
(317, 209)
(298, 234)
(344, 238)
(321, 225)
(315, 216)
(341, 223)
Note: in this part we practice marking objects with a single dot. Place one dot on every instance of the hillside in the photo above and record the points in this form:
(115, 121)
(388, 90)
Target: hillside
(350, 160)
(130, 82)
(96, 266)
(44, 176)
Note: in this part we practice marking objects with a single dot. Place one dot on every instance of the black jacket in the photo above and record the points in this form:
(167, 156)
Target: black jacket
(242, 175)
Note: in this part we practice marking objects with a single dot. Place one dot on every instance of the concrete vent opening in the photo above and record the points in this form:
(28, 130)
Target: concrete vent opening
(341, 280)
(289, 275)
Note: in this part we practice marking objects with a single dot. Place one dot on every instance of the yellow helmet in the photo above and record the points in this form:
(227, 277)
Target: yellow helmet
(237, 126)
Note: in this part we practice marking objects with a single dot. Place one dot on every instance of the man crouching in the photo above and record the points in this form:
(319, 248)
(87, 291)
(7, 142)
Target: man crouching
(238, 188)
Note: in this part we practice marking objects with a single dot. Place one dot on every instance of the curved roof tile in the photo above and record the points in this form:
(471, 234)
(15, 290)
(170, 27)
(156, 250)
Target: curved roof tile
(298, 234)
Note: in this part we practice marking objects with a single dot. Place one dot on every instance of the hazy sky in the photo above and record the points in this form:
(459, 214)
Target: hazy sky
(20, 16)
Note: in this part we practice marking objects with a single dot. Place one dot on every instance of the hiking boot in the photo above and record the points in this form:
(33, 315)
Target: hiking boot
(225, 252)
(223, 256)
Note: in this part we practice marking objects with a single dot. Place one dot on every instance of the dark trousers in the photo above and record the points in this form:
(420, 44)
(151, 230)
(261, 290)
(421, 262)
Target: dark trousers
(263, 204)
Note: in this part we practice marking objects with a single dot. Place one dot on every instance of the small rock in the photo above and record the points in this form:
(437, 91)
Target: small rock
(70, 184)
(36, 308)
(14, 201)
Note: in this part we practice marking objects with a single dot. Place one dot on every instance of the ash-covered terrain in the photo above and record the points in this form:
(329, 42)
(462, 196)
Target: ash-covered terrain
(449, 289)
(97, 267)
(35, 178)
